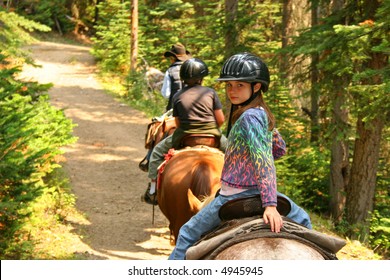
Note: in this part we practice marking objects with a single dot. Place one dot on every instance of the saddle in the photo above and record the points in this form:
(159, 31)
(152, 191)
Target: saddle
(249, 207)
(239, 230)
(192, 140)
(242, 220)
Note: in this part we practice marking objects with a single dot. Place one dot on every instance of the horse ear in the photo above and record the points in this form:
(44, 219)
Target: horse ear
(193, 201)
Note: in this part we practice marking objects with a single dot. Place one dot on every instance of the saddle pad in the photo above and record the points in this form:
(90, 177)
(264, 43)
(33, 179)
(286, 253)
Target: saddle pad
(249, 207)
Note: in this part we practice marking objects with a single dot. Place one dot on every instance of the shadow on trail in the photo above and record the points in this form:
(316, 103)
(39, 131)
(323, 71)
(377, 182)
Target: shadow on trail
(104, 173)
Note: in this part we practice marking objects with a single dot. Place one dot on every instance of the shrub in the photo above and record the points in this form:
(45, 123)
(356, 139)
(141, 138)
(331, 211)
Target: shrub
(31, 134)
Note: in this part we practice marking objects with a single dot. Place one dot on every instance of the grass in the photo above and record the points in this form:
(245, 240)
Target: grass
(50, 228)
(353, 250)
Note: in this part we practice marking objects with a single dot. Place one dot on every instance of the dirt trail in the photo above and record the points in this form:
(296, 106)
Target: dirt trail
(103, 164)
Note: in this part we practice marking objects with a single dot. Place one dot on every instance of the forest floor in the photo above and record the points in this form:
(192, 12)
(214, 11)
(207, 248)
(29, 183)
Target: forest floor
(103, 164)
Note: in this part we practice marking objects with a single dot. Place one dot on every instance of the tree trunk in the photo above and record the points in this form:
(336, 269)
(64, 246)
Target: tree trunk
(314, 94)
(339, 162)
(134, 36)
(296, 16)
(231, 38)
(361, 187)
(96, 12)
(231, 35)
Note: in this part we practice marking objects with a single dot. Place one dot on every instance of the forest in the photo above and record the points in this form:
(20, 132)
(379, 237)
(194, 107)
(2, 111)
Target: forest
(329, 91)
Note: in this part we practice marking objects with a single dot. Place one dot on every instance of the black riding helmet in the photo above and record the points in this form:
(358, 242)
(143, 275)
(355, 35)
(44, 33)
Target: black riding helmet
(248, 68)
(245, 67)
(193, 68)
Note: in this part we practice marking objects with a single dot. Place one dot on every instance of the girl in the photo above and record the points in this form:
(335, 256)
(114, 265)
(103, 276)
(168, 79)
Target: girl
(249, 164)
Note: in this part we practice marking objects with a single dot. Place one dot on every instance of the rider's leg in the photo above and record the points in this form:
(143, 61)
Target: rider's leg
(297, 214)
(156, 158)
(205, 220)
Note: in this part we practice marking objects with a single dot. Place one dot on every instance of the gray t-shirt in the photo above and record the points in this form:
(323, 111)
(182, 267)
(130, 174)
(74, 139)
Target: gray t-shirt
(196, 105)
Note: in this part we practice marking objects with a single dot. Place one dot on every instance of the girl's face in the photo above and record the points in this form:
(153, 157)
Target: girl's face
(239, 92)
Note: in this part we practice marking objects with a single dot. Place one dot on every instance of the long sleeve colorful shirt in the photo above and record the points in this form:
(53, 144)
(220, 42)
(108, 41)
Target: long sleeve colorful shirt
(249, 161)
(278, 145)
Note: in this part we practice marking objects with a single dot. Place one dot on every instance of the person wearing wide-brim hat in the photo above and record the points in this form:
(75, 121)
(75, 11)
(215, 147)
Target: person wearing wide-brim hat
(179, 52)
(172, 83)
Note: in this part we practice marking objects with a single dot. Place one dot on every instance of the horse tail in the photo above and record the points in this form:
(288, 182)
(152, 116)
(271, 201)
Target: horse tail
(201, 183)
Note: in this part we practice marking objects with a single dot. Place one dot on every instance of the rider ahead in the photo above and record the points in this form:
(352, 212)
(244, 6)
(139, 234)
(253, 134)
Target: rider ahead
(172, 82)
(197, 110)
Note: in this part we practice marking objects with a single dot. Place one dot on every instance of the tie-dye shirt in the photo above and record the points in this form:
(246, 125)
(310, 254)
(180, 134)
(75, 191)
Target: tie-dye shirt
(249, 162)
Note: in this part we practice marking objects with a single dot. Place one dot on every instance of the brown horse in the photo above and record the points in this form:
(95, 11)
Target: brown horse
(188, 177)
(157, 130)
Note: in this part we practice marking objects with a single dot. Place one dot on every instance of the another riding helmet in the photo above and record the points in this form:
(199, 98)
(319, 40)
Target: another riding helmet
(193, 68)
(245, 67)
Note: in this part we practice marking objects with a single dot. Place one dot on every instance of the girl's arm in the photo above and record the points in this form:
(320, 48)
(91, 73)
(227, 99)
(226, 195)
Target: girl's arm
(260, 149)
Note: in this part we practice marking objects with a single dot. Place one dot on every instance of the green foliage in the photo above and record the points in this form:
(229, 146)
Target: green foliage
(52, 13)
(380, 222)
(199, 25)
(112, 40)
(142, 97)
(161, 25)
(31, 134)
(380, 233)
(304, 176)
(15, 32)
(46, 223)
(346, 54)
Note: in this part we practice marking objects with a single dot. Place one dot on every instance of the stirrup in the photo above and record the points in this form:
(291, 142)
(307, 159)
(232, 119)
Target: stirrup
(149, 198)
(144, 165)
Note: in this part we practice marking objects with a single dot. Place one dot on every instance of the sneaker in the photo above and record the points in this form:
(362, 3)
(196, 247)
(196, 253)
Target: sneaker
(149, 198)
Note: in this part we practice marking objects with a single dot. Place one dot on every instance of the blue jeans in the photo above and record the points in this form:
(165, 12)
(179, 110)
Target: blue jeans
(207, 219)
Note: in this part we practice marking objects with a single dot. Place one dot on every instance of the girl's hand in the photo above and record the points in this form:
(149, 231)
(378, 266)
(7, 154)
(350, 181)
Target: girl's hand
(272, 216)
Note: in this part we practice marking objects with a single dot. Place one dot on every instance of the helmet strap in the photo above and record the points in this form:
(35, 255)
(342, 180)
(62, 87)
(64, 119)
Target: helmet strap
(232, 109)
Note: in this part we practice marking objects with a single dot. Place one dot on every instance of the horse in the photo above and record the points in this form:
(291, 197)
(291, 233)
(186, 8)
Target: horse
(269, 249)
(243, 235)
(185, 180)
(154, 78)
(158, 129)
